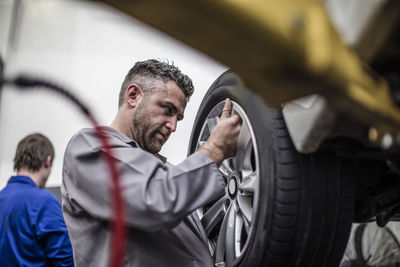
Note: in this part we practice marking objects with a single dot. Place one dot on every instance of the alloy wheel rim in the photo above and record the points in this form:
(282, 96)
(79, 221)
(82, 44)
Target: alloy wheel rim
(229, 221)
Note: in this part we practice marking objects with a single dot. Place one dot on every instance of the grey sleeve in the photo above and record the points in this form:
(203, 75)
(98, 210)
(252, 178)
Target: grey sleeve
(155, 194)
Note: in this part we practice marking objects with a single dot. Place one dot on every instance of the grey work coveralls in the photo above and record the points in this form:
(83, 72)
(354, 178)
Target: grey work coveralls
(159, 200)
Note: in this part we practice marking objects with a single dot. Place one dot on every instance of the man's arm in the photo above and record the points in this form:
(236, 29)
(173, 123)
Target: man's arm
(155, 194)
(52, 232)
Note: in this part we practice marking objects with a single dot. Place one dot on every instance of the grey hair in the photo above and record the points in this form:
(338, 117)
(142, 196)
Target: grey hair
(146, 73)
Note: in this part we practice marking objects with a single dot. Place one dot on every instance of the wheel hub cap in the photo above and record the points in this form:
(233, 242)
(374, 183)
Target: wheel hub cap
(232, 187)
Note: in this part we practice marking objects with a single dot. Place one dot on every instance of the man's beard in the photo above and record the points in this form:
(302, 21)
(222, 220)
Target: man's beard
(143, 134)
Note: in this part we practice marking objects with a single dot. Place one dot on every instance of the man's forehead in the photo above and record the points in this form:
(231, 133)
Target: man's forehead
(180, 105)
(173, 92)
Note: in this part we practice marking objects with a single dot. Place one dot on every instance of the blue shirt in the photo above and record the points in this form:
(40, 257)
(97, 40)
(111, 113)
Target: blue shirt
(32, 228)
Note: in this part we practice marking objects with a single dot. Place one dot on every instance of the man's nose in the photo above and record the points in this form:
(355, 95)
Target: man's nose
(171, 124)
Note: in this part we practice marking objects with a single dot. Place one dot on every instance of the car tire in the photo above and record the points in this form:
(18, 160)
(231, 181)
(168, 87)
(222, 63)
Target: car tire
(280, 208)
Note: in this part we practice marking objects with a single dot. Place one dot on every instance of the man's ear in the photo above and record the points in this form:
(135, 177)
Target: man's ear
(131, 95)
(47, 163)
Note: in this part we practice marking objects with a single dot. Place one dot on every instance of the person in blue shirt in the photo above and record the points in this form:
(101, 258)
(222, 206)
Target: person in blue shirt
(32, 227)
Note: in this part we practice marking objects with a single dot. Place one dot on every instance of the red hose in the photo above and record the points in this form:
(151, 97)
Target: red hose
(118, 227)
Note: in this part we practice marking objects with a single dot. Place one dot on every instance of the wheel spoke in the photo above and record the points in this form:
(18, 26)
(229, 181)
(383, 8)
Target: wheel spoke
(247, 158)
(249, 183)
(230, 236)
(212, 122)
(225, 167)
(221, 245)
(213, 215)
(243, 147)
(240, 237)
(238, 160)
(244, 138)
(245, 208)
(246, 225)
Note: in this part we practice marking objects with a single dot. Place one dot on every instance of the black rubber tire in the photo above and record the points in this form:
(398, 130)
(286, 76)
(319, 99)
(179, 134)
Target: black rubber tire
(306, 201)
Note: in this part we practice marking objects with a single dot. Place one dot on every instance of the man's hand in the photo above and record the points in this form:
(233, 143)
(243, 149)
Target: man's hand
(222, 142)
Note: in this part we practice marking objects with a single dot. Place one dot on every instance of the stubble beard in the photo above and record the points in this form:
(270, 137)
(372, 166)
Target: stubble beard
(144, 135)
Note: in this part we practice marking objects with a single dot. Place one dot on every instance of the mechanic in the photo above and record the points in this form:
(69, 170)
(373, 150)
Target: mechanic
(33, 231)
(159, 198)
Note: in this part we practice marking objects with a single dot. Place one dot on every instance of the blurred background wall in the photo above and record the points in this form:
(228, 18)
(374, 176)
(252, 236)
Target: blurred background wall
(87, 47)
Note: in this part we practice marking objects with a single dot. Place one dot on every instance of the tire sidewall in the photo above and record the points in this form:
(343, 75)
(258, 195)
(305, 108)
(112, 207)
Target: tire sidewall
(255, 109)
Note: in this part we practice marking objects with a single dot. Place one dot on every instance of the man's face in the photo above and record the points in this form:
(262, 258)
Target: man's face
(156, 116)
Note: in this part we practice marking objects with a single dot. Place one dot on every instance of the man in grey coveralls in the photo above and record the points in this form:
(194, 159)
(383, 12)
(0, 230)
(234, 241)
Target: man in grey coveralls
(159, 198)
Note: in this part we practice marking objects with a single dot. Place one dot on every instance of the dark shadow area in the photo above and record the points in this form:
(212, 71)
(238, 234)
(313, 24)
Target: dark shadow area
(56, 191)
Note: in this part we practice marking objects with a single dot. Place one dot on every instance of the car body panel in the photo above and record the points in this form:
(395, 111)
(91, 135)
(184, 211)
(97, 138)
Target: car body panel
(282, 50)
